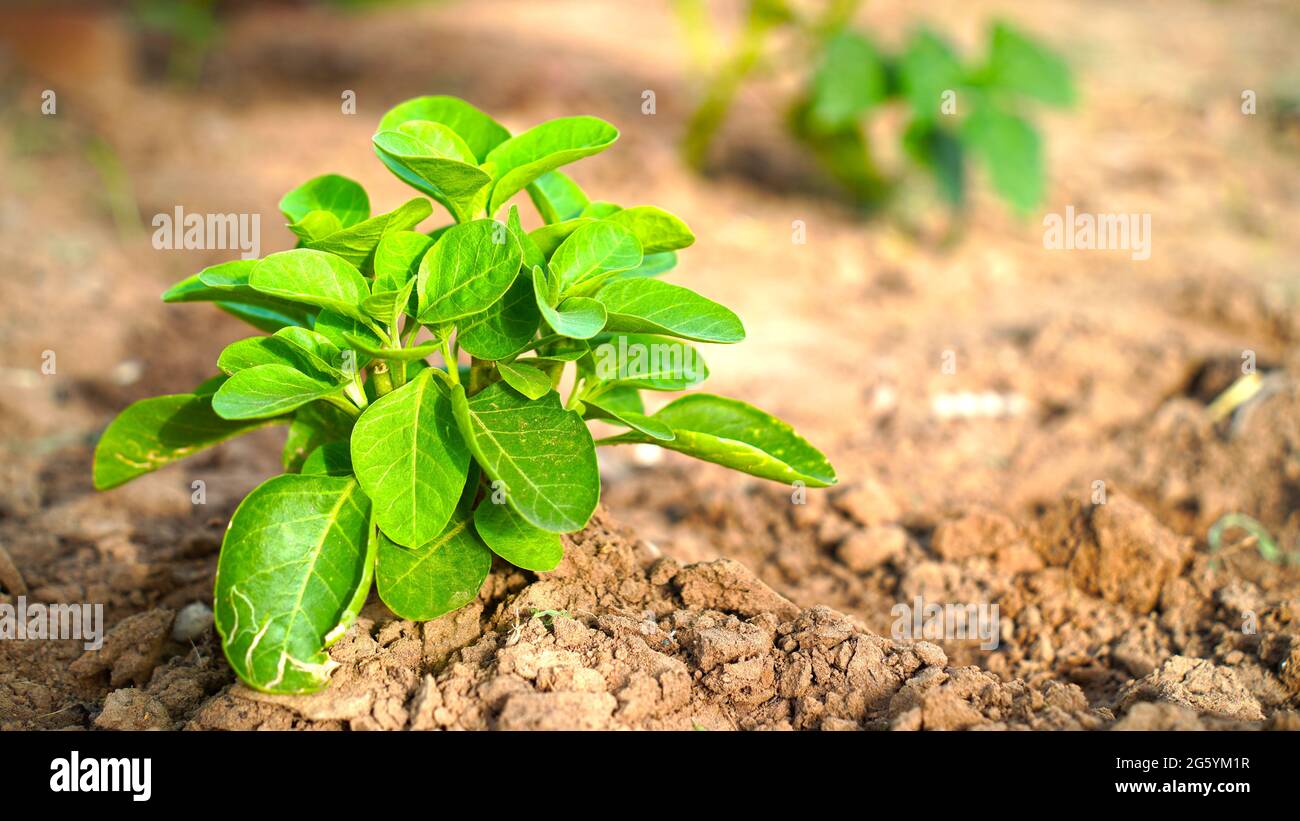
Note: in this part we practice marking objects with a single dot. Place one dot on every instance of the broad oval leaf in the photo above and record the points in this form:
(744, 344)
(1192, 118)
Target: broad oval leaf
(316, 225)
(511, 537)
(651, 306)
(506, 327)
(313, 277)
(737, 435)
(471, 266)
(437, 156)
(542, 453)
(1018, 63)
(227, 285)
(267, 390)
(548, 238)
(299, 348)
(425, 582)
(646, 361)
(593, 252)
(523, 158)
(1013, 152)
(155, 432)
(657, 230)
(397, 259)
(411, 460)
(577, 317)
(345, 199)
(294, 567)
(851, 79)
(330, 459)
(313, 425)
(479, 131)
(357, 243)
(654, 428)
(525, 378)
(557, 197)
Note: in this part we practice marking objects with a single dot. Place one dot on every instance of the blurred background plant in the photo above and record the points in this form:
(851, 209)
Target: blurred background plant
(956, 109)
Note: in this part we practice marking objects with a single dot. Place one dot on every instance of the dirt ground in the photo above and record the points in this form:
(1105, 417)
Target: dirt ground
(1079, 501)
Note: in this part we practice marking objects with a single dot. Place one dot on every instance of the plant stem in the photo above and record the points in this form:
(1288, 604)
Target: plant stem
(344, 405)
(357, 393)
(383, 379)
(453, 367)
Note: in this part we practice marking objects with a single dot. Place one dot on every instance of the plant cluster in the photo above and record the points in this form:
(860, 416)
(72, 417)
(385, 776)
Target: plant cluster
(954, 109)
(411, 475)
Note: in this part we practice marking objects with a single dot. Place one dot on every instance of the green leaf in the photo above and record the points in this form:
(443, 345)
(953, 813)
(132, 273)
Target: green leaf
(298, 348)
(598, 209)
(331, 459)
(440, 159)
(506, 327)
(577, 317)
(436, 578)
(523, 158)
(541, 452)
(470, 267)
(341, 330)
(313, 277)
(651, 306)
(850, 80)
(267, 390)
(345, 199)
(549, 237)
(940, 152)
(410, 354)
(532, 254)
(592, 253)
(411, 460)
(388, 307)
(557, 197)
(657, 230)
(357, 244)
(155, 432)
(525, 378)
(294, 567)
(313, 425)
(397, 259)
(316, 225)
(511, 537)
(654, 428)
(1018, 63)
(227, 285)
(1012, 150)
(928, 68)
(479, 131)
(731, 433)
(650, 362)
(652, 265)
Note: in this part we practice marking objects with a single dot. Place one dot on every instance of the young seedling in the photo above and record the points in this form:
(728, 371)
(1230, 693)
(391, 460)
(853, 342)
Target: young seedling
(953, 110)
(411, 475)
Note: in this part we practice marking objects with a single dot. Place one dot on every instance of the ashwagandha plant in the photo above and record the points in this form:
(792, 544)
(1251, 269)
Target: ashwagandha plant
(953, 109)
(409, 474)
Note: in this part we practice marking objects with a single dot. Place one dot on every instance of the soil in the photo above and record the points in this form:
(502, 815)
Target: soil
(1078, 500)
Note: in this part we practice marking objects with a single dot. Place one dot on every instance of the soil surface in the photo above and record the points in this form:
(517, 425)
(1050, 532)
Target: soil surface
(1067, 470)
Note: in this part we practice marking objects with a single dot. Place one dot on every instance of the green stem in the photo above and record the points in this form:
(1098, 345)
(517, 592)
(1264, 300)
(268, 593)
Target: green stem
(342, 404)
(357, 393)
(383, 379)
(453, 367)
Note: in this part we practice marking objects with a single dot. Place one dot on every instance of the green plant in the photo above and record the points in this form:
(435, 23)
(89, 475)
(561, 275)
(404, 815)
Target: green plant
(414, 474)
(954, 110)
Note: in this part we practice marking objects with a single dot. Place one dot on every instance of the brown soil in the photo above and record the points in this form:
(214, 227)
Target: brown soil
(732, 606)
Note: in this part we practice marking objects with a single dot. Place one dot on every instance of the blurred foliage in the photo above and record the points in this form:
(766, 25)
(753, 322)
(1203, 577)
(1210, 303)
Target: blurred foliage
(955, 109)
